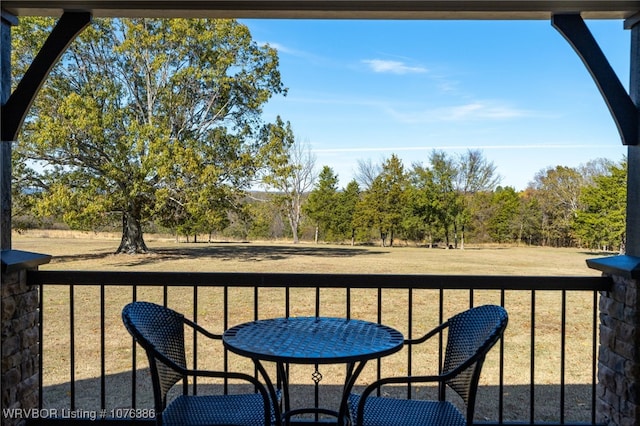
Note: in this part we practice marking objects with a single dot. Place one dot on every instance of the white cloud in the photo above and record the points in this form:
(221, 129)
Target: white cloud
(480, 110)
(472, 111)
(393, 67)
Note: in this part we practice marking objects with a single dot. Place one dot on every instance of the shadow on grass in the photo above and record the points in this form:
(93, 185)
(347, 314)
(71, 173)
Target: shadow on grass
(599, 253)
(516, 398)
(224, 252)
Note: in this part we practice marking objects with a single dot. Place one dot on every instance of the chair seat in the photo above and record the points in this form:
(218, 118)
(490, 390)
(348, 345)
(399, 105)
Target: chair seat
(381, 411)
(240, 410)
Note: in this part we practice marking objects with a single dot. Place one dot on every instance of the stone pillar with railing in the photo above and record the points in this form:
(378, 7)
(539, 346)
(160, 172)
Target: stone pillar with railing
(19, 317)
(618, 389)
(20, 341)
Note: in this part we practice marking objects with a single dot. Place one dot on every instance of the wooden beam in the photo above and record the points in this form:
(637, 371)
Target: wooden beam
(622, 108)
(6, 22)
(330, 9)
(16, 108)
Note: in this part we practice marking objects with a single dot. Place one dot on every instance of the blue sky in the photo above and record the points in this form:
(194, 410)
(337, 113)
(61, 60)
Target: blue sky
(363, 90)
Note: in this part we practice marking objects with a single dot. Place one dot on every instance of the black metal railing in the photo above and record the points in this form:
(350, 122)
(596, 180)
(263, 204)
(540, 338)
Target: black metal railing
(543, 371)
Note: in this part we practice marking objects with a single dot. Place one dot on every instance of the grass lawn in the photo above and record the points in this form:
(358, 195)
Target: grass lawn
(76, 251)
(87, 251)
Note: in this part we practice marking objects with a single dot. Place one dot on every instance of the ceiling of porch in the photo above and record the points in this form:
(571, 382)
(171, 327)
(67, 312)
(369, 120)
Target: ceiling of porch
(331, 9)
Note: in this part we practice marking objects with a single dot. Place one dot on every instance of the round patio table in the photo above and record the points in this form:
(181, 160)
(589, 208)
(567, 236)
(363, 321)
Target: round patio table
(312, 340)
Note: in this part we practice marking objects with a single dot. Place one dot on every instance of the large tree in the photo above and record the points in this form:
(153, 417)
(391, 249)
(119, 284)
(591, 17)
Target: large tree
(146, 116)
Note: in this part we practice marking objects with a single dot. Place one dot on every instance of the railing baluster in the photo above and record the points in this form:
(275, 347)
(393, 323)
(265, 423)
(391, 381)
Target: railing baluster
(409, 336)
(287, 312)
(40, 346)
(72, 347)
(316, 386)
(563, 341)
(255, 303)
(165, 295)
(501, 373)
(348, 303)
(532, 368)
(256, 316)
(225, 298)
(103, 372)
(195, 338)
(471, 298)
(440, 321)
(287, 302)
(134, 381)
(594, 357)
(378, 361)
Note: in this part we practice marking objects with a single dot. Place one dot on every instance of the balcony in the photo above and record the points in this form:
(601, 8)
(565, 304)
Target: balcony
(544, 371)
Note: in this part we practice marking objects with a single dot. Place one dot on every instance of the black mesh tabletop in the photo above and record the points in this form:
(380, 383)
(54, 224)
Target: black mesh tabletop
(311, 340)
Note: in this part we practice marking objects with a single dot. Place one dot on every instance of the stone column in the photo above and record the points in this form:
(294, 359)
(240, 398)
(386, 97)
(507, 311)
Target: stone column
(19, 331)
(618, 396)
(20, 347)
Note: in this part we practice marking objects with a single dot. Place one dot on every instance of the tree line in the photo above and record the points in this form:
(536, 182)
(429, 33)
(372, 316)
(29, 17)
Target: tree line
(156, 124)
(453, 199)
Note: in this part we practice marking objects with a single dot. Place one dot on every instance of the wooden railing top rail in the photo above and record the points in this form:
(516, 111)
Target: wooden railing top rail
(299, 280)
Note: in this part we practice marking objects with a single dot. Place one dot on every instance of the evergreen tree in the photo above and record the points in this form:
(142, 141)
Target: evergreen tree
(600, 223)
(345, 210)
(505, 203)
(322, 203)
(447, 203)
(382, 205)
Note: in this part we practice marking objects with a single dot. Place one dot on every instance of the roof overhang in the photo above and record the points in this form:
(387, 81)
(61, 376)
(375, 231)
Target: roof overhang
(330, 9)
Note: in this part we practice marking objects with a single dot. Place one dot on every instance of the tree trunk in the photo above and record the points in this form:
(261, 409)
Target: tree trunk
(294, 230)
(294, 218)
(132, 241)
(446, 236)
(316, 235)
(455, 235)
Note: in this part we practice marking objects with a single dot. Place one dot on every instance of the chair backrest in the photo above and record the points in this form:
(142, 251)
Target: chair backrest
(471, 334)
(160, 331)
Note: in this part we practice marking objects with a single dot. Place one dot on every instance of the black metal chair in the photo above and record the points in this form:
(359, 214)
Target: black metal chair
(160, 331)
(470, 336)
